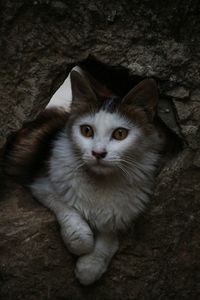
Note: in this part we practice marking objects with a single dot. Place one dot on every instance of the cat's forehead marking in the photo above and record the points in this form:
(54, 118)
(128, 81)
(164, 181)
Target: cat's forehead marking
(111, 103)
(104, 120)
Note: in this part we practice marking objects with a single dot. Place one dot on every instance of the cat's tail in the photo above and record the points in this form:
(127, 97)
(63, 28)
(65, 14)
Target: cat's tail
(26, 152)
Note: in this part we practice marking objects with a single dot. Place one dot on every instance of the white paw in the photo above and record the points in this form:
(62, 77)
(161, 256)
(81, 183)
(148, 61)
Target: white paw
(77, 243)
(89, 269)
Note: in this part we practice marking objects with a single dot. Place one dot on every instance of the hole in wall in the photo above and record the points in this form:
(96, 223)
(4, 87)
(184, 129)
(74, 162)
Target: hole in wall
(116, 78)
(119, 80)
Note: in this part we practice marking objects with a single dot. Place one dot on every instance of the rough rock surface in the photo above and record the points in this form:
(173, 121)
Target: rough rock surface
(160, 256)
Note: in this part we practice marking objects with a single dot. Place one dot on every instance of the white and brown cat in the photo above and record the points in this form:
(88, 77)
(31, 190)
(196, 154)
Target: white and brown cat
(94, 166)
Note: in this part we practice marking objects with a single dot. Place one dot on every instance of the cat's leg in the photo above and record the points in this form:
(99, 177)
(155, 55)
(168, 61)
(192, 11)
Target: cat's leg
(75, 231)
(90, 267)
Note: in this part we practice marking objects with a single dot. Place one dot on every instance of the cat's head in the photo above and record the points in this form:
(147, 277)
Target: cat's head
(110, 133)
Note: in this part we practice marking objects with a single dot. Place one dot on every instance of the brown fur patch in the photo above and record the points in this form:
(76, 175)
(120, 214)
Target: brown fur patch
(83, 96)
(88, 95)
(28, 150)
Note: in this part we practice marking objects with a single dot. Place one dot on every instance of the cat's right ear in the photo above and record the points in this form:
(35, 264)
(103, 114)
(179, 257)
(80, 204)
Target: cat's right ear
(83, 96)
(143, 96)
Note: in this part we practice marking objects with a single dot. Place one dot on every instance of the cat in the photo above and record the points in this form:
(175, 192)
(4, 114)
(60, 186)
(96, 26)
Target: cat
(101, 155)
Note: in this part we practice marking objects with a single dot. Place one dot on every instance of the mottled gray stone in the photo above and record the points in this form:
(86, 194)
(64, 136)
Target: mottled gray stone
(196, 161)
(195, 95)
(178, 92)
(188, 111)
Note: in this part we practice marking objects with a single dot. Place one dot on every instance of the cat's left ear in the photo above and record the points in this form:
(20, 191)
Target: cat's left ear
(83, 96)
(144, 96)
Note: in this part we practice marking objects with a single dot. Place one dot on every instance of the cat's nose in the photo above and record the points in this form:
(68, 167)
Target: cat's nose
(99, 154)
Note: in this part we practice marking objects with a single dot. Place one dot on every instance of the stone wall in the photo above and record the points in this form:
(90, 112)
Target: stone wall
(40, 40)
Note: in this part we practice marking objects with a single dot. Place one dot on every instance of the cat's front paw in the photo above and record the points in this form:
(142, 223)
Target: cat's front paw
(78, 243)
(89, 269)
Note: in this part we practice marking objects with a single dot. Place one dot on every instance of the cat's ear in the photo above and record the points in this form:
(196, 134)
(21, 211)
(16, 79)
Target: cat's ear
(143, 96)
(82, 93)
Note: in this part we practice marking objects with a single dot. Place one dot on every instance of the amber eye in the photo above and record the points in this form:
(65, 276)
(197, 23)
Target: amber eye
(120, 134)
(87, 131)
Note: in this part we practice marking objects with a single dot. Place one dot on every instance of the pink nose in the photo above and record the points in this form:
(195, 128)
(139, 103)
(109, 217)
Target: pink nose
(100, 154)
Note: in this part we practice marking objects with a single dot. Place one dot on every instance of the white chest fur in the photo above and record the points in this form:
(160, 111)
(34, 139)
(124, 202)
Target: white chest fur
(107, 203)
(107, 206)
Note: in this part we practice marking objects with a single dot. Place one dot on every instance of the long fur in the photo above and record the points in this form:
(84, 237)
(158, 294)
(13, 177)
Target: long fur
(92, 201)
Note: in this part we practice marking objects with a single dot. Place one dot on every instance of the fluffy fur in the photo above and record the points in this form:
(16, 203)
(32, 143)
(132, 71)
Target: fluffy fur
(28, 150)
(95, 198)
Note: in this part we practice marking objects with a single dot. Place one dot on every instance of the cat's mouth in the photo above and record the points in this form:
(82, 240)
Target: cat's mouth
(100, 166)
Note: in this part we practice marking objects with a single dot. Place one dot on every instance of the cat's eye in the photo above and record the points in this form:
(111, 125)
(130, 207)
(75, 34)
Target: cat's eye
(120, 134)
(87, 131)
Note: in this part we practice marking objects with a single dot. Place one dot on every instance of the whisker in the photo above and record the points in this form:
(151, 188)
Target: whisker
(125, 172)
(131, 168)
